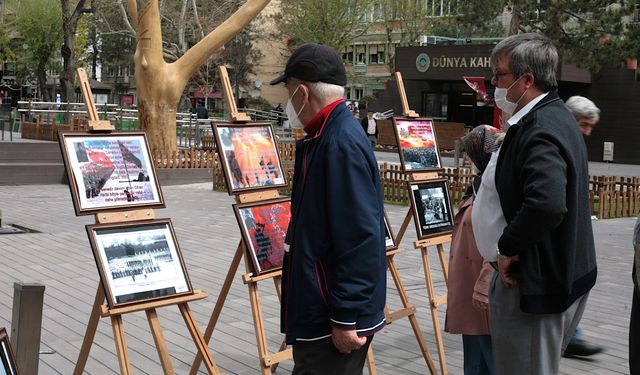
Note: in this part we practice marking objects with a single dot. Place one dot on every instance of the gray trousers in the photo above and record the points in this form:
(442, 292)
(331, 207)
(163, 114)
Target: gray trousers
(528, 344)
(373, 140)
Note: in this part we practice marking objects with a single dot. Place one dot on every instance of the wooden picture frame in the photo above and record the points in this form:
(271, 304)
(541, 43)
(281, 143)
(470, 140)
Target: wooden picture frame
(110, 171)
(8, 363)
(264, 226)
(249, 157)
(417, 144)
(389, 237)
(431, 207)
(139, 261)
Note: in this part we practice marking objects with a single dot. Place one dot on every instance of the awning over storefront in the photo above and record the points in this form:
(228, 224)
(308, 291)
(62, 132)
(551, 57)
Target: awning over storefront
(200, 94)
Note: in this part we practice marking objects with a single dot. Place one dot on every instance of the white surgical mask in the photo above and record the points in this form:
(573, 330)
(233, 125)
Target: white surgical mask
(292, 115)
(500, 97)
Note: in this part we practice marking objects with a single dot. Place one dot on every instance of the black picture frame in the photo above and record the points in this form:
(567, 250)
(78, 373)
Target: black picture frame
(389, 238)
(249, 157)
(417, 144)
(146, 250)
(8, 363)
(431, 207)
(264, 226)
(110, 171)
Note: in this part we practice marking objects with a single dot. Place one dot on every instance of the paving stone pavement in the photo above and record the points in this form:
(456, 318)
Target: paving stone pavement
(60, 258)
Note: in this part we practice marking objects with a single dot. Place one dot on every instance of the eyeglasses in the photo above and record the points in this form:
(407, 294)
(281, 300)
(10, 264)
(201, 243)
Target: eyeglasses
(497, 75)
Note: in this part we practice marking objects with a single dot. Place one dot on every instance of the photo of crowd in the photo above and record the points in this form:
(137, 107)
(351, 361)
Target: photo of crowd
(432, 207)
(264, 228)
(140, 262)
(250, 156)
(417, 144)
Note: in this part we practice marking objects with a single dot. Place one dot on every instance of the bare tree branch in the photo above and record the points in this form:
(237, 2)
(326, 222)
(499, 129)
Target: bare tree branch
(199, 53)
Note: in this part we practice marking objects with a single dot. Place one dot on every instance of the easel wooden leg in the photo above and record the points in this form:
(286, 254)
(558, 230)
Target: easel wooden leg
(433, 305)
(404, 226)
(371, 362)
(259, 328)
(277, 281)
(443, 262)
(412, 317)
(90, 333)
(161, 345)
(224, 292)
(121, 345)
(203, 349)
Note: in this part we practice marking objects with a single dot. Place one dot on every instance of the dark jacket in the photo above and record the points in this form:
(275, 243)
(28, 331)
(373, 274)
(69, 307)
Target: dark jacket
(365, 125)
(542, 179)
(335, 271)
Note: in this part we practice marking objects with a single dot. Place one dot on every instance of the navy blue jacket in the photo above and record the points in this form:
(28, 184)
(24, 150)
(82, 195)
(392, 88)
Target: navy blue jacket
(335, 271)
(542, 178)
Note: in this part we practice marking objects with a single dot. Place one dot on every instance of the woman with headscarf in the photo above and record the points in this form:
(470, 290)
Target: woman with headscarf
(469, 275)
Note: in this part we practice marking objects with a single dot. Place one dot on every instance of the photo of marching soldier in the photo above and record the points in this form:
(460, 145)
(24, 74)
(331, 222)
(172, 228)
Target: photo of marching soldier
(432, 208)
(141, 262)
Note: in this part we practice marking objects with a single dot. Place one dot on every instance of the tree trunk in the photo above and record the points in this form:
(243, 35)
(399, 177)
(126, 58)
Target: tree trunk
(514, 25)
(42, 83)
(69, 65)
(158, 119)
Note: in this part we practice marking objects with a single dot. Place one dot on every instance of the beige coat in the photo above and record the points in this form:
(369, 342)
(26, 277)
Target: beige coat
(469, 278)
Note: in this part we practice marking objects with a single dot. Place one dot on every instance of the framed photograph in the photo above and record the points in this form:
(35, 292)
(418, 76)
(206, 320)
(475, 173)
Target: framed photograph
(8, 359)
(249, 156)
(110, 171)
(417, 144)
(389, 238)
(264, 228)
(431, 207)
(139, 261)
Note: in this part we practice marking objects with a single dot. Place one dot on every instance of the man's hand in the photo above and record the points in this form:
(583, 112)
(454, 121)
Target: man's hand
(504, 269)
(346, 340)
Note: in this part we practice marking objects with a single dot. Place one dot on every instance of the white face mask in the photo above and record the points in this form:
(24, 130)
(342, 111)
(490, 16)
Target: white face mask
(500, 97)
(292, 115)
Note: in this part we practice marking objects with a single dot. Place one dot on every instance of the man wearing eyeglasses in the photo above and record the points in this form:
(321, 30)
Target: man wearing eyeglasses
(531, 215)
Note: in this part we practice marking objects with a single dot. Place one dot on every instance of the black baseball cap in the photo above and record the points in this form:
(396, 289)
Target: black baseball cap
(314, 63)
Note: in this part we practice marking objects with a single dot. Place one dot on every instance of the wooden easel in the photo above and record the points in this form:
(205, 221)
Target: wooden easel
(268, 362)
(115, 314)
(423, 245)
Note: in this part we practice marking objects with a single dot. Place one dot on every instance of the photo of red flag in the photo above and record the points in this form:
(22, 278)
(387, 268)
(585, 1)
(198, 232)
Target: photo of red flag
(477, 85)
(127, 155)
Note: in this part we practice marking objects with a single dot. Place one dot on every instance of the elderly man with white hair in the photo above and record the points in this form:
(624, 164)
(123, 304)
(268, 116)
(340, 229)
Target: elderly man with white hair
(587, 116)
(334, 274)
(586, 113)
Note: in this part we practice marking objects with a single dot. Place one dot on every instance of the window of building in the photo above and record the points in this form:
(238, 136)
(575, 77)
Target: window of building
(435, 105)
(378, 14)
(347, 92)
(359, 93)
(347, 55)
(361, 56)
(9, 69)
(376, 54)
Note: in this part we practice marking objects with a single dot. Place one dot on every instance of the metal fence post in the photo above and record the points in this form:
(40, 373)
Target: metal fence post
(26, 325)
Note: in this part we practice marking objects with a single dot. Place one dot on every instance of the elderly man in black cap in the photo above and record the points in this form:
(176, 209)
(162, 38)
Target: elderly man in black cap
(334, 273)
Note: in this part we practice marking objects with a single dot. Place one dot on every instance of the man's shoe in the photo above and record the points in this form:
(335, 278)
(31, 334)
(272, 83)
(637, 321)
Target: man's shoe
(580, 348)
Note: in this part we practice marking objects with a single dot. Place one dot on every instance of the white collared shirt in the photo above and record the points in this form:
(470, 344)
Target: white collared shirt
(371, 128)
(487, 218)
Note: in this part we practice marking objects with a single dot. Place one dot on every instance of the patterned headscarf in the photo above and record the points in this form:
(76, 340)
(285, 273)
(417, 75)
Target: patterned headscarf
(480, 142)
